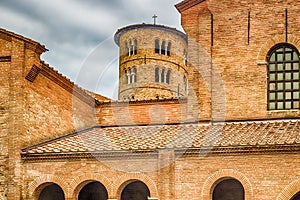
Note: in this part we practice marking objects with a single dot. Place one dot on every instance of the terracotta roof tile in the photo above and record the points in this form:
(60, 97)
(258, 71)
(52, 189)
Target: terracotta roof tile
(182, 136)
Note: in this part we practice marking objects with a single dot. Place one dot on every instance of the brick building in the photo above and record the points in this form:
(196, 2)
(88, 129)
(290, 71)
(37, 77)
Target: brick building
(235, 134)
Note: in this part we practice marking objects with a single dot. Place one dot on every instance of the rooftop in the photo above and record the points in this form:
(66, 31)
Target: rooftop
(233, 135)
(123, 30)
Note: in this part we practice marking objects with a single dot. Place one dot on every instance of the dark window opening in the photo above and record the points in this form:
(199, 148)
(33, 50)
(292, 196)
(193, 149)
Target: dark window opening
(168, 76)
(156, 46)
(157, 74)
(163, 47)
(162, 77)
(169, 49)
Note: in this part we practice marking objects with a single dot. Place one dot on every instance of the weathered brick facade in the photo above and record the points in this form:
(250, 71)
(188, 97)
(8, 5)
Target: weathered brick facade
(56, 135)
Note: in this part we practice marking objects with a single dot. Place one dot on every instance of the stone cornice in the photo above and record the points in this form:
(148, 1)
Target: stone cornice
(180, 153)
(186, 4)
(146, 101)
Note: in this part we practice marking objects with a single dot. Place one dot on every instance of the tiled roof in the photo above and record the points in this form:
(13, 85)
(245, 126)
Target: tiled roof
(183, 136)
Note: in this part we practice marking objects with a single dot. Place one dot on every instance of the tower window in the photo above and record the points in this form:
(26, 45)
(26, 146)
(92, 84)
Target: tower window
(162, 48)
(283, 77)
(161, 76)
(157, 46)
(131, 75)
(169, 49)
(131, 47)
(168, 76)
(156, 74)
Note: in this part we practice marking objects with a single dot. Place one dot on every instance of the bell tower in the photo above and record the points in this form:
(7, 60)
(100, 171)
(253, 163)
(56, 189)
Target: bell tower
(152, 62)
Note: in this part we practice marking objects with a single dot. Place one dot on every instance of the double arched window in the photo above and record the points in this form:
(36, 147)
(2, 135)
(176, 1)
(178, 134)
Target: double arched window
(283, 77)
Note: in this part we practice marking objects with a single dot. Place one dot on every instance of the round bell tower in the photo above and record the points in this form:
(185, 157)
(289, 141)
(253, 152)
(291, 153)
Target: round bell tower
(152, 62)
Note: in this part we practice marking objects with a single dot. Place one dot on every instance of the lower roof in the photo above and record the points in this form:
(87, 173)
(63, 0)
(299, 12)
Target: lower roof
(234, 136)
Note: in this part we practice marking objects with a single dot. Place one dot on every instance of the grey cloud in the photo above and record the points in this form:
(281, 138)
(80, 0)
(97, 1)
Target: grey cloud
(79, 33)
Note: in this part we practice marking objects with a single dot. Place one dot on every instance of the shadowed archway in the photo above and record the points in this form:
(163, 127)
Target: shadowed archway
(93, 191)
(136, 190)
(229, 189)
(52, 192)
(296, 197)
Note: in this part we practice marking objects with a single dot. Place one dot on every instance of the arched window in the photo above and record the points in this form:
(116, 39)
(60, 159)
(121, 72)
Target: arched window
(283, 77)
(130, 75)
(162, 77)
(136, 190)
(228, 189)
(168, 76)
(52, 192)
(133, 75)
(135, 47)
(94, 191)
(163, 47)
(185, 57)
(156, 74)
(296, 197)
(126, 48)
(156, 46)
(169, 49)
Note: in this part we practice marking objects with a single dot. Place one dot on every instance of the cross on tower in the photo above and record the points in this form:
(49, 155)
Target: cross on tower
(154, 18)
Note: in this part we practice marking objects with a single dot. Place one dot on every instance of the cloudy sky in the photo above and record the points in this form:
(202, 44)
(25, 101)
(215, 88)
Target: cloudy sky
(79, 33)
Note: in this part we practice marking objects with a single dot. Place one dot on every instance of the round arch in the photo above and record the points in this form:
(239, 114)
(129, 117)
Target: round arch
(49, 191)
(37, 185)
(135, 189)
(269, 44)
(289, 191)
(124, 180)
(226, 174)
(91, 190)
(79, 182)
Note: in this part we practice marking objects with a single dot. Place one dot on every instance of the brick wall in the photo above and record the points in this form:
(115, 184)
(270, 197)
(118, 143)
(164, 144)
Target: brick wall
(237, 66)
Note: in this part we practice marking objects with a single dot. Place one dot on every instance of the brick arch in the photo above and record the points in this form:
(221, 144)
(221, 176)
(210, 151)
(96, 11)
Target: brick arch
(264, 50)
(226, 173)
(289, 191)
(78, 183)
(125, 179)
(44, 179)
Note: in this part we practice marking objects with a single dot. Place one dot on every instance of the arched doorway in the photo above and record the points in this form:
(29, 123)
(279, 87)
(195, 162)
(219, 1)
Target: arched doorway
(136, 190)
(52, 192)
(229, 189)
(93, 191)
(296, 197)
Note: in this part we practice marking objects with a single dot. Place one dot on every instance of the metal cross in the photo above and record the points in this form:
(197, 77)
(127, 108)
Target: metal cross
(154, 18)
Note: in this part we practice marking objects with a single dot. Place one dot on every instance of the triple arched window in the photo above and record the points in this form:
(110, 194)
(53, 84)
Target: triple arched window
(131, 47)
(162, 47)
(283, 77)
(162, 75)
(130, 75)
